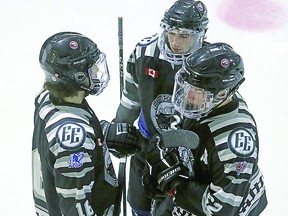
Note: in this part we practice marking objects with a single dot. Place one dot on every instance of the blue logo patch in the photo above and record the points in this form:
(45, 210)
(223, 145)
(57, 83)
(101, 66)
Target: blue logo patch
(240, 167)
(70, 135)
(75, 160)
(241, 142)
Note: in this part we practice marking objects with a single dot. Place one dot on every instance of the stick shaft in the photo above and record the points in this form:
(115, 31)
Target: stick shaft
(122, 165)
(120, 43)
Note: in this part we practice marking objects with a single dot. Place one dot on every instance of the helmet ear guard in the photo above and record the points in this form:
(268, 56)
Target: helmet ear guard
(234, 89)
(80, 78)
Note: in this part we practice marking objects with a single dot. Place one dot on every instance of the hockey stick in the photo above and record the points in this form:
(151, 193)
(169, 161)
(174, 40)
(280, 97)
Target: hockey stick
(120, 43)
(179, 138)
(122, 163)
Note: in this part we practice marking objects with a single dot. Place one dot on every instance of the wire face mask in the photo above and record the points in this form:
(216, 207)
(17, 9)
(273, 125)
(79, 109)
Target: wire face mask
(99, 75)
(191, 101)
(176, 44)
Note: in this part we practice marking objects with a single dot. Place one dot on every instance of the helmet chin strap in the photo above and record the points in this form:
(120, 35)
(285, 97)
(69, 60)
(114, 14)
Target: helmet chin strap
(221, 103)
(233, 90)
(229, 96)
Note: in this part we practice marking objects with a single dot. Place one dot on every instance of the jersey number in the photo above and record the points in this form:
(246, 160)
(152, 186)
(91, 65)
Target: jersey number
(87, 207)
(38, 189)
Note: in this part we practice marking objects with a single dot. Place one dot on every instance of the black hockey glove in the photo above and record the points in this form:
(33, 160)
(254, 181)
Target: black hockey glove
(165, 166)
(121, 138)
(150, 185)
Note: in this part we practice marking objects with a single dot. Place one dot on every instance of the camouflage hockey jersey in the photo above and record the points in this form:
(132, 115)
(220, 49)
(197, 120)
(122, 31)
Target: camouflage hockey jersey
(73, 174)
(227, 178)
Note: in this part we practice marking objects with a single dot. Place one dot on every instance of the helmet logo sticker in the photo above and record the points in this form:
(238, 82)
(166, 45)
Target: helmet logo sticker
(200, 7)
(241, 142)
(70, 135)
(53, 78)
(225, 63)
(73, 45)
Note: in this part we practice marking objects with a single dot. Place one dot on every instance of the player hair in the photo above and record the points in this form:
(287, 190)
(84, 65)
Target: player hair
(59, 92)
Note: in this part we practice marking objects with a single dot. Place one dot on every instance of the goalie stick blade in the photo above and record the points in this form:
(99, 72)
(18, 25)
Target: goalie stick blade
(179, 138)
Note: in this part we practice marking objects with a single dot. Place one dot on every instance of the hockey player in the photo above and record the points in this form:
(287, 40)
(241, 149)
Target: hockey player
(224, 177)
(73, 174)
(149, 83)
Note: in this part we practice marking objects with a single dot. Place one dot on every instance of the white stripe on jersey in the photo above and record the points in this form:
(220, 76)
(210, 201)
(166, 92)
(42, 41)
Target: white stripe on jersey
(56, 148)
(80, 112)
(236, 181)
(41, 95)
(45, 110)
(129, 79)
(129, 104)
(137, 53)
(60, 115)
(230, 167)
(150, 49)
(78, 174)
(214, 125)
(76, 193)
(225, 197)
(226, 154)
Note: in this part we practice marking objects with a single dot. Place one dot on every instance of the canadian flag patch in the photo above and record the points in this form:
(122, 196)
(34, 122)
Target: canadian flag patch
(151, 72)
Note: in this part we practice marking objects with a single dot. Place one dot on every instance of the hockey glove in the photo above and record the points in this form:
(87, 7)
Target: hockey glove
(121, 138)
(165, 165)
(150, 185)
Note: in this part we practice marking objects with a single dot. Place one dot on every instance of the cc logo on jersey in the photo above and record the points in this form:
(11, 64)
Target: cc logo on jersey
(70, 135)
(241, 142)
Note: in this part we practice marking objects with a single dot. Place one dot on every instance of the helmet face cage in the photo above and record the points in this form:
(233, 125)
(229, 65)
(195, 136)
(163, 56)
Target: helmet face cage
(191, 101)
(70, 57)
(182, 30)
(99, 75)
(187, 41)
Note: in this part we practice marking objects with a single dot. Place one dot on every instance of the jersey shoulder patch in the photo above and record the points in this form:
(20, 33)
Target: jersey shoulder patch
(241, 142)
(70, 135)
(148, 40)
(161, 112)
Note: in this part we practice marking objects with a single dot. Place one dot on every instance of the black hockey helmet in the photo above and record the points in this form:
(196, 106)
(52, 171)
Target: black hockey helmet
(188, 14)
(70, 57)
(184, 17)
(208, 77)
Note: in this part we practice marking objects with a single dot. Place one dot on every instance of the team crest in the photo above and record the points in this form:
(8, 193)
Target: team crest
(241, 142)
(70, 135)
(161, 111)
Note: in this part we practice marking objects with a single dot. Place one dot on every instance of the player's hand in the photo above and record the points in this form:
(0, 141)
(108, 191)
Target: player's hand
(150, 185)
(121, 138)
(165, 166)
